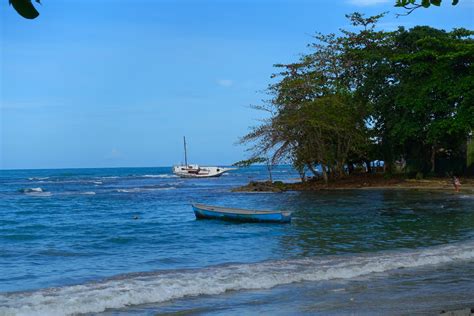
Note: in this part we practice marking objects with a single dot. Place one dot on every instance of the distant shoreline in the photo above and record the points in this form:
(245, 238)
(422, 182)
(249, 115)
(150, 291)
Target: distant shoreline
(361, 181)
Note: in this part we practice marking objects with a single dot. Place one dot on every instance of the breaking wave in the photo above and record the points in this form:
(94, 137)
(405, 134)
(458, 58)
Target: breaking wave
(156, 287)
(35, 192)
(31, 190)
(159, 176)
(71, 181)
(88, 193)
(144, 189)
(140, 176)
(38, 178)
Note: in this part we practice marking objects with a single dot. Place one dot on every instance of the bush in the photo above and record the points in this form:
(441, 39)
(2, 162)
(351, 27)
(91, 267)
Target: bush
(279, 184)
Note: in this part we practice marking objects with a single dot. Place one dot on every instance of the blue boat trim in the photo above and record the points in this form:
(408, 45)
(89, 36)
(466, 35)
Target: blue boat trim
(241, 215)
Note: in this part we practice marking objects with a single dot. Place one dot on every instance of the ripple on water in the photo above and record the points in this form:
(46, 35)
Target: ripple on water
(51, 252)
(20, 237)
(167, 236)
(120, 240)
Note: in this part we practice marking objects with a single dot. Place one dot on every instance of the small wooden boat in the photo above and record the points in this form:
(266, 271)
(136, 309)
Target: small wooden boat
(241, 215)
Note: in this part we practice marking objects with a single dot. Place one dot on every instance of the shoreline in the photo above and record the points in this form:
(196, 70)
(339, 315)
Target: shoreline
(360, 182)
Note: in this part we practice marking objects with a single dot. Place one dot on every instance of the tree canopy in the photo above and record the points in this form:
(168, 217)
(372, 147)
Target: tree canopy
(405, 95)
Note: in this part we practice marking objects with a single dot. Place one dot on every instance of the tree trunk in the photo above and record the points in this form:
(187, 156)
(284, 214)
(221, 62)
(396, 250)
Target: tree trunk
(310, 167)
(433, 158)
(350, 167)
(269, 167)
(302, 175)
(330, 171)
(325, 174)
(340, 168)
(369, 167)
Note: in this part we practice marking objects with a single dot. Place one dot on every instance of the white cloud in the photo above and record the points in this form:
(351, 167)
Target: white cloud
(366, 3)
(225, 82)
(113, 154)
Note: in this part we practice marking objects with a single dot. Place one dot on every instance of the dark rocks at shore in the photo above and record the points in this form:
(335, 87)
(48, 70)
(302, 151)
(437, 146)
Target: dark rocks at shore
(364, 181)
(267, 186)
(312, 184)
(459, 312)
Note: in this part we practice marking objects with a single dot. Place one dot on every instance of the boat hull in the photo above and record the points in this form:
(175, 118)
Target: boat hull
(195, 171)
(239, 215)
(190, 175)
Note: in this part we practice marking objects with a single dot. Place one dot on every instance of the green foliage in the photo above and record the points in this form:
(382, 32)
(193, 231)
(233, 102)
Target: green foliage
(317, 118)
(371, 95)
(411, 5)
(470, 155)
(279, 184)
(423, 3)
(248, 162)
(424, 104)
(25, 8)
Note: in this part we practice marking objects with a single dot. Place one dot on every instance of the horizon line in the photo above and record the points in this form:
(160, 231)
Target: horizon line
(122, 167)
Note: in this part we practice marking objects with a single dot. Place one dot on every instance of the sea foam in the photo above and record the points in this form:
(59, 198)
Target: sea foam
(35, 192)
(144, 189)
(159, 176)
(88, 193)
(156, 287)
(37, 178)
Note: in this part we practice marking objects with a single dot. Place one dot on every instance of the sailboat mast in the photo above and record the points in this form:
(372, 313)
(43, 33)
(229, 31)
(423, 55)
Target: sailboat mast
(185, 153)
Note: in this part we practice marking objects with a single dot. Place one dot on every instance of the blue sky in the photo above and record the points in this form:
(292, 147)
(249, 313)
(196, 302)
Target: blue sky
(108, 83)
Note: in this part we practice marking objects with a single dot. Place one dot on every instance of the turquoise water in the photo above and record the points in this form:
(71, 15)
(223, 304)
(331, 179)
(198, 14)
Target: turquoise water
(126, 241)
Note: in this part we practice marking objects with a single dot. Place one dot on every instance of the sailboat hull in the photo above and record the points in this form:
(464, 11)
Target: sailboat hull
(194, 171)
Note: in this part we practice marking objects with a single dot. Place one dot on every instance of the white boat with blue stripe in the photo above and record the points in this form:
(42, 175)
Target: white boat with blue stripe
(240, 215)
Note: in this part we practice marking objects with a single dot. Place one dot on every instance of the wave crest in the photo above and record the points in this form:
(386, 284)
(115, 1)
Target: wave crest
(159, 176)
(144, 189)
(156, 287)
(35, 192)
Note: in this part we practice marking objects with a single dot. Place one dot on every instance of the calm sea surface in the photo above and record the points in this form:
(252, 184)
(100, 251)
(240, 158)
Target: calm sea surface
(125, 241)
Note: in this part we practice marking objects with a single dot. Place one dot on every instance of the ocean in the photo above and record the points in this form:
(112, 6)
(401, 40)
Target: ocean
(124, 241)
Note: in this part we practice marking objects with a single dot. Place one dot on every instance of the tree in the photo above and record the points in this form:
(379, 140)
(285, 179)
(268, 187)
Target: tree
(421, 95)
(25, 8)
(316, 120)
(436, 82)
(248, 162)
(411, 5)
(406, 95)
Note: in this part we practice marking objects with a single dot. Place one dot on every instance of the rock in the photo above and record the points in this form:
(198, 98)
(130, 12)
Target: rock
(459, 312)
(267, 186)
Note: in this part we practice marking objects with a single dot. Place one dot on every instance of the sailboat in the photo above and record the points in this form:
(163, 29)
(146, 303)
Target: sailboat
(196, 171)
